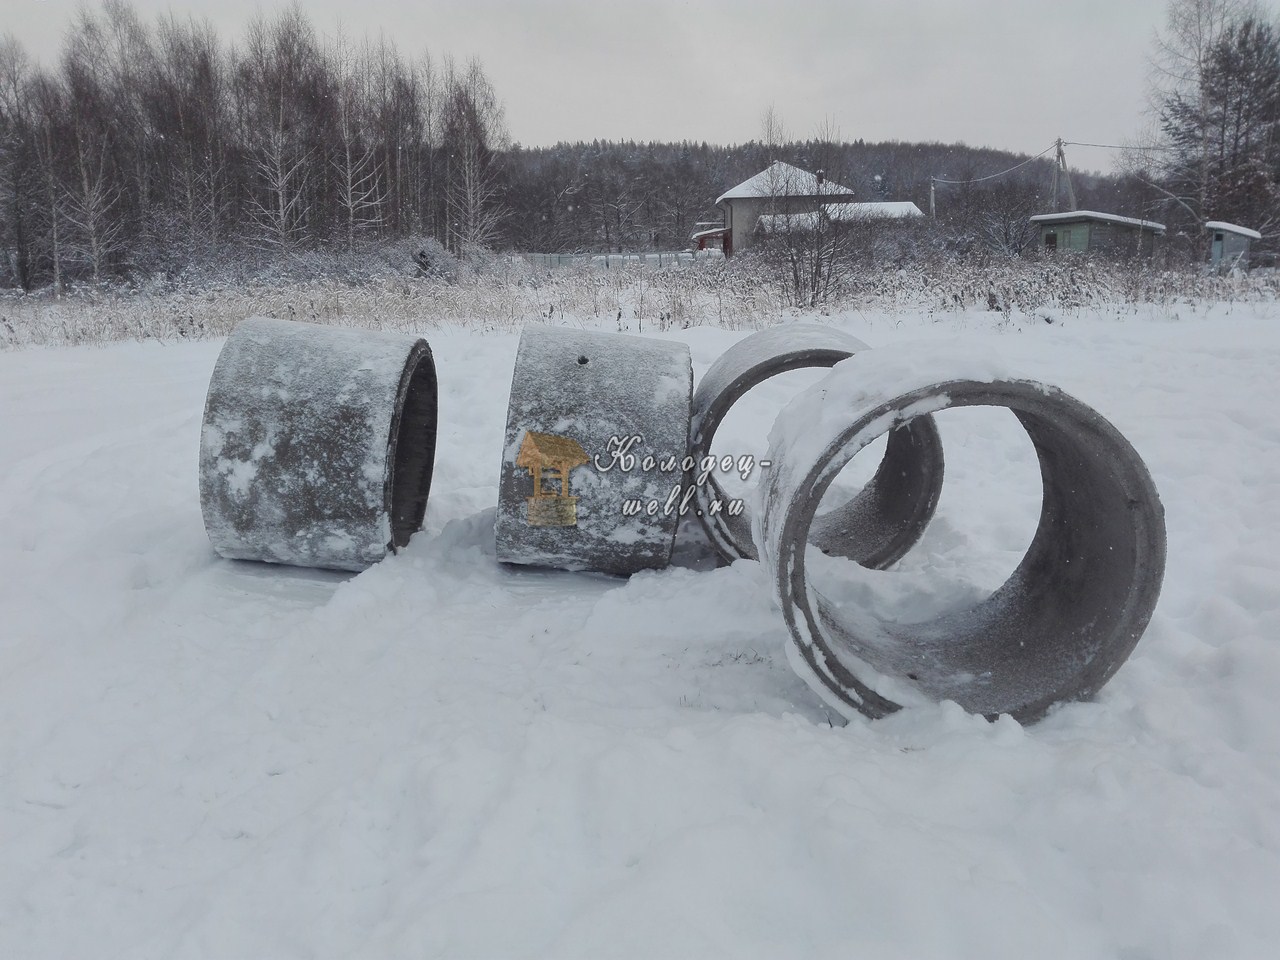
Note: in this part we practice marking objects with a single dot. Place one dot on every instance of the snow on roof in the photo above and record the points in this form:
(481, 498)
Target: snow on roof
(1073, 215)
(1233, 228)
(783, 180)
(837, 213)
(699, 234)
(889, 209)
(786, 222)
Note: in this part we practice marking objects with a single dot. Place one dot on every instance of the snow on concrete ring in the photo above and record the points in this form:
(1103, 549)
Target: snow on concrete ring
(875, 528)
(593, 455)
(1057, 630)
(317, 444)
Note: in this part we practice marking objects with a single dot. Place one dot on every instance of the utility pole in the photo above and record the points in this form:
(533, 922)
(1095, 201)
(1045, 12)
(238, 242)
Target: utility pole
(933, 207)
(1060, 172)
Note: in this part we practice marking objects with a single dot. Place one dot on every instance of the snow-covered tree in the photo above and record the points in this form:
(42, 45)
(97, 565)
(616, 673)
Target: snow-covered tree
(17, 164)
(473, 130)
(1218, 96)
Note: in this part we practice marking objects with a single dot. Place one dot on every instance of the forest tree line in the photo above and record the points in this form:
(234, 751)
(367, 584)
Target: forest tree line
(149, 148)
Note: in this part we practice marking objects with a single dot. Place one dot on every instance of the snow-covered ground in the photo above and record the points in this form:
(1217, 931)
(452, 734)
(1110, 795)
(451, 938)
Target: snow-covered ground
(445, 757)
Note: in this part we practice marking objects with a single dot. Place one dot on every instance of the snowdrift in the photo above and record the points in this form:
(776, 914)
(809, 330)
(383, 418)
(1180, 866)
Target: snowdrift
(444, 756)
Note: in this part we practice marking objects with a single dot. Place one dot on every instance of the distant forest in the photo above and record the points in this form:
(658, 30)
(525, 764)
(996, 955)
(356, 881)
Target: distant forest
(154, 149)
(637, 196)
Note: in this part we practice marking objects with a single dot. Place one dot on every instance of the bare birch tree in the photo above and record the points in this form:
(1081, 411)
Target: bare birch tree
(360, 188)
(473, 129)
(92, 203)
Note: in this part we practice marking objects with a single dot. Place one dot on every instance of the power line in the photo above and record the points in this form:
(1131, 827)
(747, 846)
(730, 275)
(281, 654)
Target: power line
(1065, 143)
(1002, 172)
(1111, 146)
(1060, 167)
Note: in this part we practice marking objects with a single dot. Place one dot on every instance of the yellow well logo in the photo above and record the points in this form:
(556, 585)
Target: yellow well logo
(551, 505)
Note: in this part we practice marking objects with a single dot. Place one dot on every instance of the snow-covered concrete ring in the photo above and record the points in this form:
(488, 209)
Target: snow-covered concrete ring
(1056, 630)
(887, 516)
(592, 460)
(317, 444)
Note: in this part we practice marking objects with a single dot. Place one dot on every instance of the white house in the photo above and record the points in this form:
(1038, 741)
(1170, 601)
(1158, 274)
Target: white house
(781, 189)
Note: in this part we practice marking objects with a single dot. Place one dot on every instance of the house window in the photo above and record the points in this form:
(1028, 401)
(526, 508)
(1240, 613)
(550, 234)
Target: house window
(1051, 241)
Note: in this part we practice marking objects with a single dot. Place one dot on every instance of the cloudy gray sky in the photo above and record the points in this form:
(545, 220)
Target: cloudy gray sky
(1004, 73)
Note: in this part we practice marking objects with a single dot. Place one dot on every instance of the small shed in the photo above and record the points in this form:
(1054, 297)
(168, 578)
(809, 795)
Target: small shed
(545, 451)
(1229, 245)
(713, 238)
(1093, 232)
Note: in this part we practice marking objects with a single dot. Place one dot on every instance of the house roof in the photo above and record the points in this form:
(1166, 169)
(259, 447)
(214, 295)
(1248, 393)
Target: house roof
(888, 209)
(539, 449)
(783, 180)
(1233, 228)
(715, 232)
(1075, 216)
(772, 223)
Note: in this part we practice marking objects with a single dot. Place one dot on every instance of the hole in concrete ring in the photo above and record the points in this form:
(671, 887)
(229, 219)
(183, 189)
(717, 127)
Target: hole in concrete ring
(985, 518)
(413, 442)
(1067, 614)
(879, 519)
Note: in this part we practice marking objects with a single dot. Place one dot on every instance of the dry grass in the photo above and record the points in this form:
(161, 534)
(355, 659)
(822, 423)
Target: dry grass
(507, 293)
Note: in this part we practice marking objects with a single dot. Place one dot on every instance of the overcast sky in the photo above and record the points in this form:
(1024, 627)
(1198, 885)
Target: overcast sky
(1012, 74)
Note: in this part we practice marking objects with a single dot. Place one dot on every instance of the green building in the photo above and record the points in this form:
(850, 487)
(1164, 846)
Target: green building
(1229, 245)
(1088, 231)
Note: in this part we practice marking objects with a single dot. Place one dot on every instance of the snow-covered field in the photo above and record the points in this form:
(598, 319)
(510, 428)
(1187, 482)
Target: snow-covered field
(444, 757)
